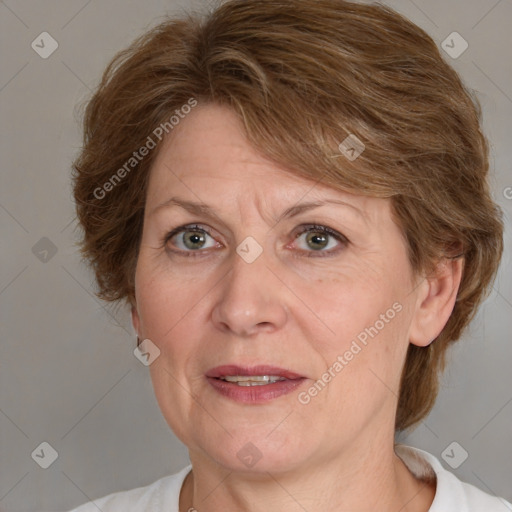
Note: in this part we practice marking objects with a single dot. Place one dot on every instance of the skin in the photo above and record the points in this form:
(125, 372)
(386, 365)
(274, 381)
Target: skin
(285, 309)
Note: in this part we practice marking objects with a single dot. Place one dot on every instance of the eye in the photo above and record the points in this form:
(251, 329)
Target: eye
(320, 239)
(190, 239)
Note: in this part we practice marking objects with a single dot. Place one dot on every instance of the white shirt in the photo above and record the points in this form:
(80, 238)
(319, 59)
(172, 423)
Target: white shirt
(452, 495)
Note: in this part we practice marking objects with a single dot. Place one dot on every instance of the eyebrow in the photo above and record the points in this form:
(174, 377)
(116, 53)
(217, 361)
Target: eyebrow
(199, 208)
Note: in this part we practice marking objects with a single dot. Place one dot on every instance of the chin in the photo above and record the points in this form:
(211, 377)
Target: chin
(258, 453)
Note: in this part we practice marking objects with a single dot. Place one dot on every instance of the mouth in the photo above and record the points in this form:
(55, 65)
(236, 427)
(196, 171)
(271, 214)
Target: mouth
(255, 380)
(256, 384)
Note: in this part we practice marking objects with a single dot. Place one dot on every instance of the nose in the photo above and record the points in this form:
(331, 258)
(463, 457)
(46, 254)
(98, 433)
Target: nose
(251, 299)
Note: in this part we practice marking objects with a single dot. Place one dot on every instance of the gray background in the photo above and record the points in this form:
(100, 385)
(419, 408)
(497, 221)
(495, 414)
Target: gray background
(68, 375)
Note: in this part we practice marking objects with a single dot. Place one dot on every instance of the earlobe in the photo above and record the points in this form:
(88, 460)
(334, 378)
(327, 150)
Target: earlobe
(436, 300)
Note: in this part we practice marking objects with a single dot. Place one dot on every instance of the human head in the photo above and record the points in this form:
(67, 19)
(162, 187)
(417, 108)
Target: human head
(302, 76)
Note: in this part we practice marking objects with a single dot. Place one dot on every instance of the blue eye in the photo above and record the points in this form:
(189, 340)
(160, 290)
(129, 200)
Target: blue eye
(318, 238)
(190, 239)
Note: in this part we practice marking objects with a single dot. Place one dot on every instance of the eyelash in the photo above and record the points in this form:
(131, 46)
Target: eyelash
(315, 228)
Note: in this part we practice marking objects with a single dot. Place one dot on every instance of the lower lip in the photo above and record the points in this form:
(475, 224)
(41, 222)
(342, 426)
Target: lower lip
(254, 394)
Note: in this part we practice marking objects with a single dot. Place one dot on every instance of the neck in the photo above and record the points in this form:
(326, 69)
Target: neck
(378, 480)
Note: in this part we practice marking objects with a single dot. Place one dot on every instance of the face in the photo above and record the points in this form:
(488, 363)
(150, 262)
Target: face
(258, 283)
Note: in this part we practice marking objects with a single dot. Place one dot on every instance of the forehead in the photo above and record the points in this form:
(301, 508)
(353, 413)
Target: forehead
(211, 142)
(207, 158)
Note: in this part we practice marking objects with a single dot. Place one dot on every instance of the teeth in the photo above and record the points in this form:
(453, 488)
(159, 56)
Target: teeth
(252, 380)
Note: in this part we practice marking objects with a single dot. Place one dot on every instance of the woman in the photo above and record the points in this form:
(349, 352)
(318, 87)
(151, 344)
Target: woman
(279, 192)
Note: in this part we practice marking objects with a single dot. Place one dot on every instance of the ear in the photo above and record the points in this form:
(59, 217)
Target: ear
(435, 301)
(136, 319)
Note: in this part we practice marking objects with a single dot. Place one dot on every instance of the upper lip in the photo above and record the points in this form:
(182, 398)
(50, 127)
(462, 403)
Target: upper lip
(234, 370)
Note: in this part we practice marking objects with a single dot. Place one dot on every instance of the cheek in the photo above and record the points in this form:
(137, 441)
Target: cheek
(164, 300)
(361, 317)
(169, 306)
(166, 309)
(346, 302)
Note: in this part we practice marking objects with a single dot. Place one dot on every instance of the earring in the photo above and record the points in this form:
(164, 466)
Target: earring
(138, 341)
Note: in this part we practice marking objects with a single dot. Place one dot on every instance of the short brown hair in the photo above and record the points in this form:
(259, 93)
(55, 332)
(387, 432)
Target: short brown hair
(303, 75)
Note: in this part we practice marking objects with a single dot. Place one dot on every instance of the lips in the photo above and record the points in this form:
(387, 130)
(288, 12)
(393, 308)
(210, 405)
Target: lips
(247, 371)
(253, 384)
